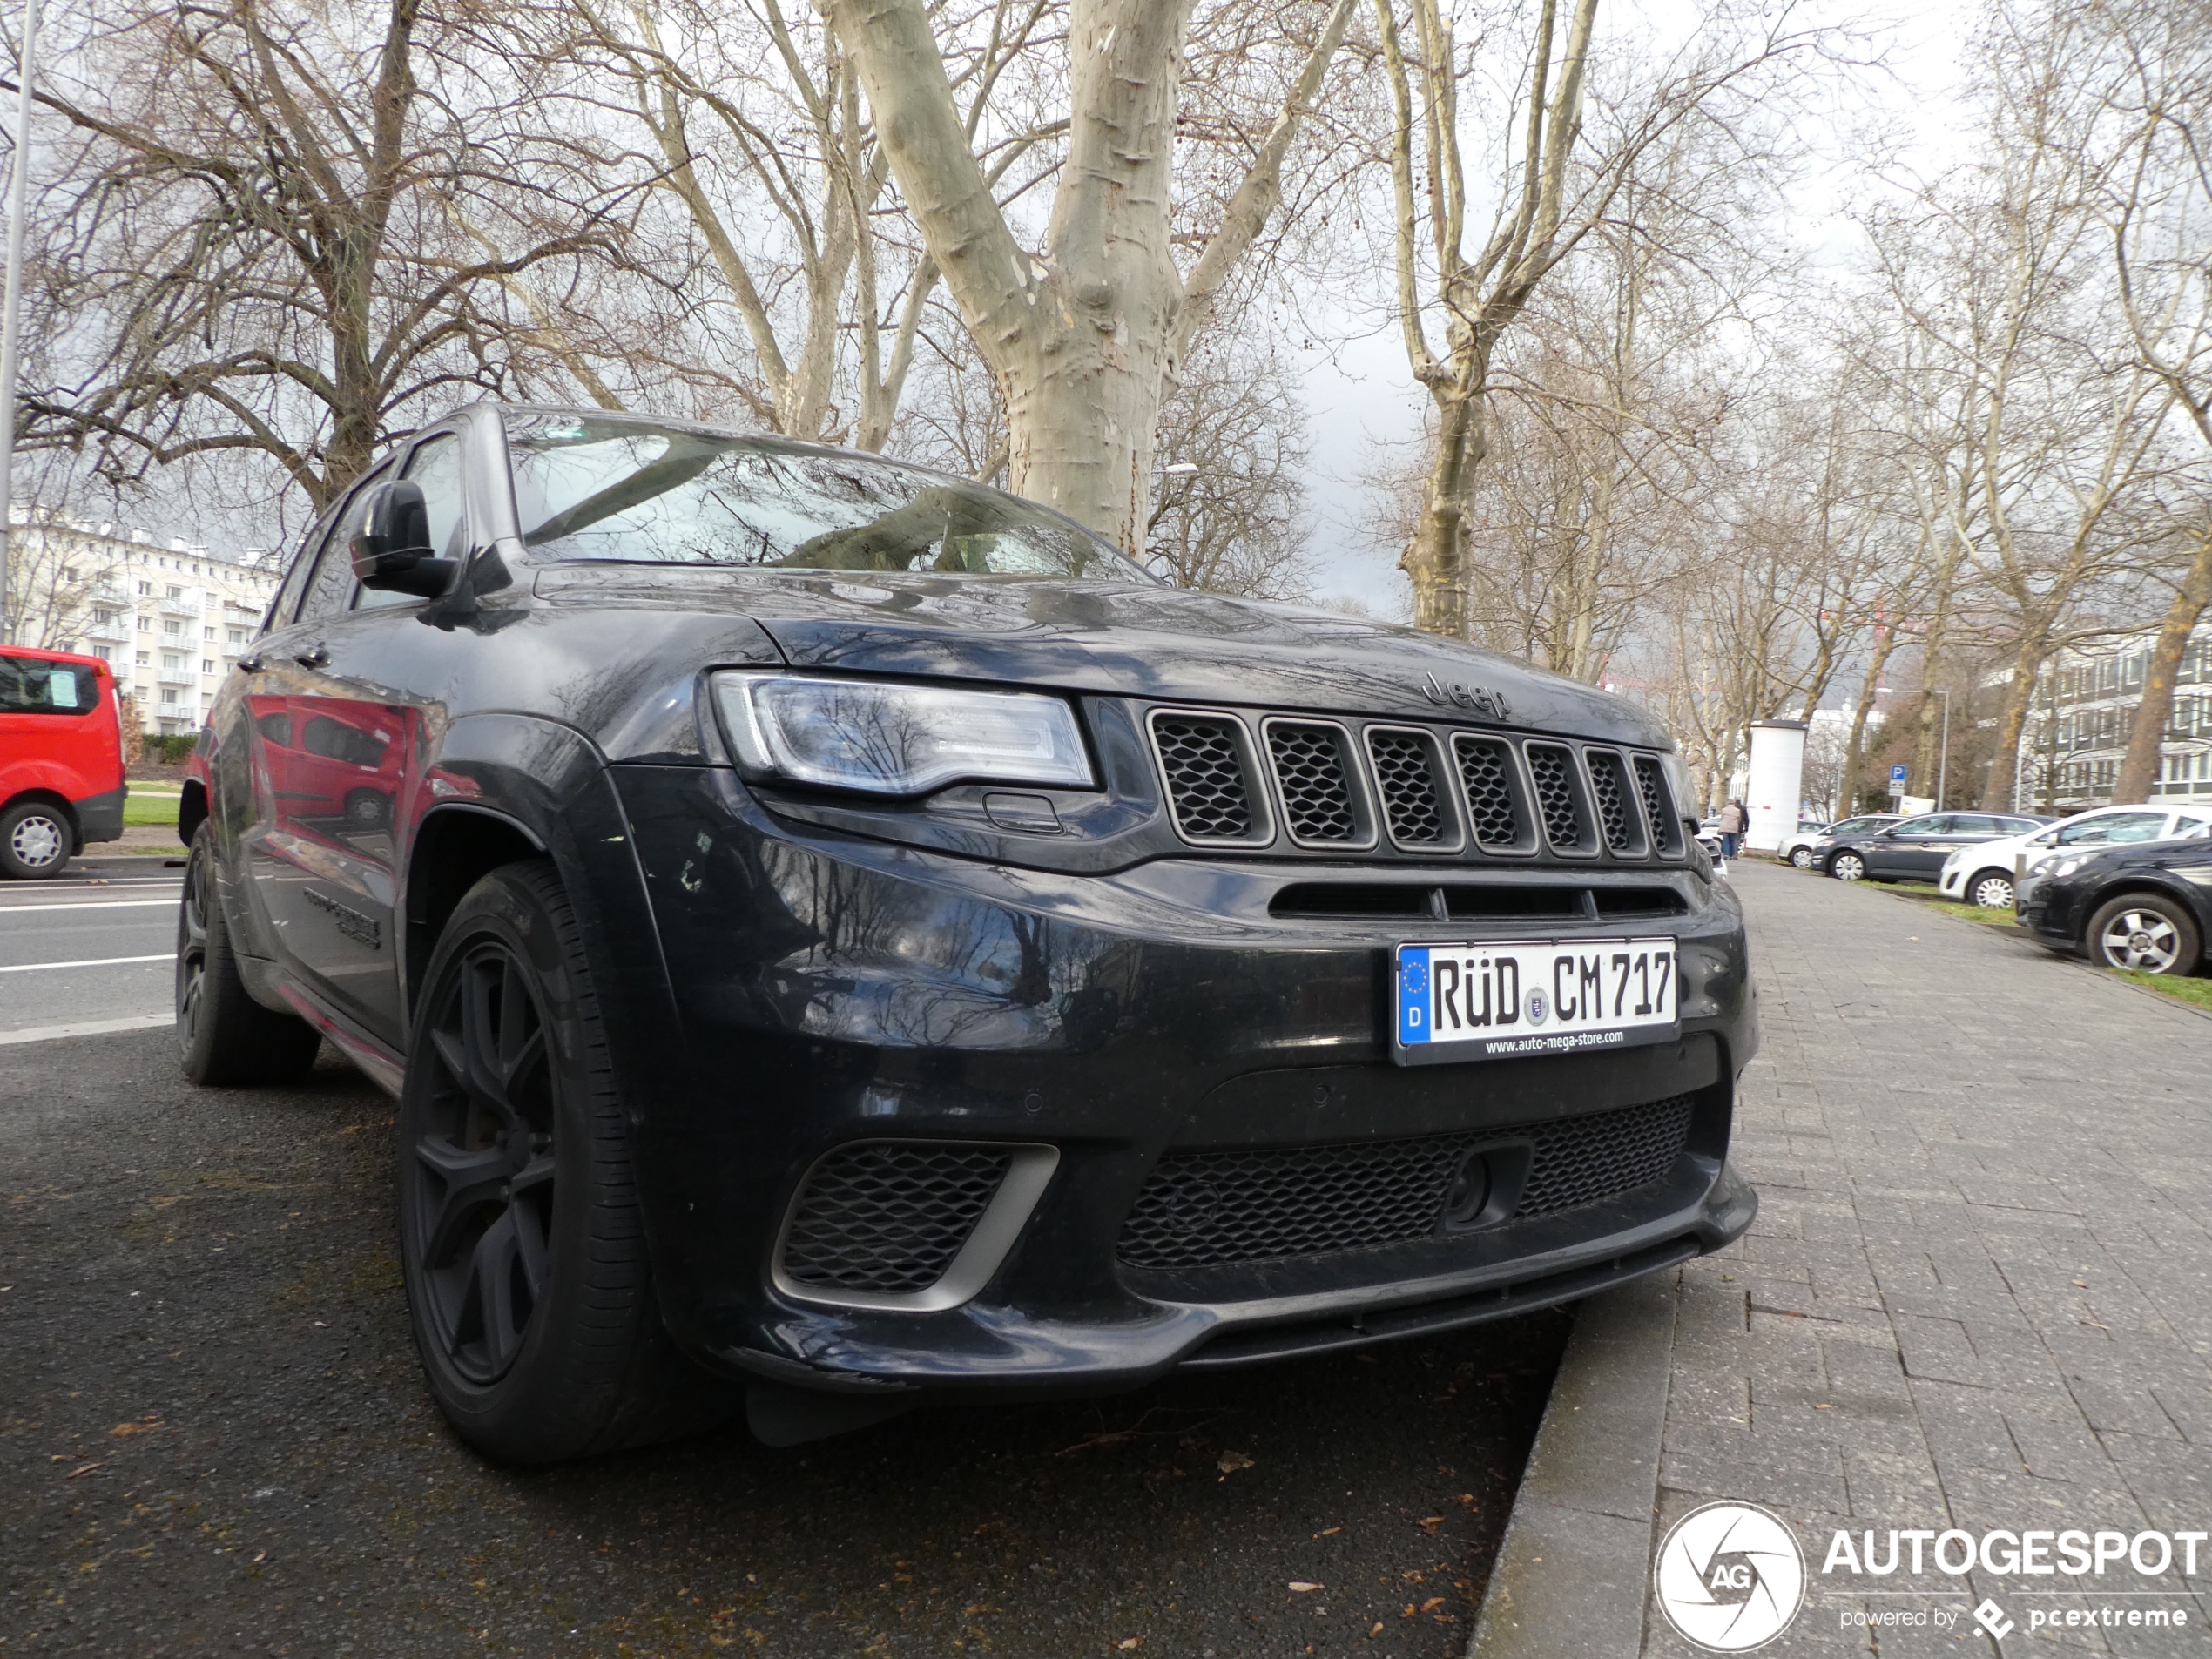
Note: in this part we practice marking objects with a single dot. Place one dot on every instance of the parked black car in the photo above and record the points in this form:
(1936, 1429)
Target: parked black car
(837, 928)
(2144, 905)
(1913, 849)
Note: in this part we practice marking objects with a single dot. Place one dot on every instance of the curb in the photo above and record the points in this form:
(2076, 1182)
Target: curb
(1572, 1575)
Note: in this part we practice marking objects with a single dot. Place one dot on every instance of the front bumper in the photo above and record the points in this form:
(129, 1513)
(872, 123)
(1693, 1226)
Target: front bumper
(831, 990)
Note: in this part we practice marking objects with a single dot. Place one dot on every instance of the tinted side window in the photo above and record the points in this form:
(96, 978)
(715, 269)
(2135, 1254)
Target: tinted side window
(1939, 824)
(331, 590)
(295, 580)
(1976, 824)
(30, 686)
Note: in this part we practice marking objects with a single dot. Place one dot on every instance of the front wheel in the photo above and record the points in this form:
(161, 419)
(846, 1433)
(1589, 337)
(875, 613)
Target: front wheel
(224, 1037)
(521, 1237)
(35, 840)
(1991, 890)
(1847, 867)
(1801, 857)
(2144, 933)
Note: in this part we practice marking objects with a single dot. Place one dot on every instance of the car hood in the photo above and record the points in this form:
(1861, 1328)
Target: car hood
(1121, 640)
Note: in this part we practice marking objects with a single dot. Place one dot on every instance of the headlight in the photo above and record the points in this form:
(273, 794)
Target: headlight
(890, 739)
(2067, 867)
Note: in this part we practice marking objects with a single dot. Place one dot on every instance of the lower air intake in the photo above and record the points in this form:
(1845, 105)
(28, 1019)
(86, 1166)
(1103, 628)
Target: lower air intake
(887, 1217)
(1213, 1208)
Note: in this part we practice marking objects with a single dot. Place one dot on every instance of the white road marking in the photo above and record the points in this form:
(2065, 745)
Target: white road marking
(90, 904)
(85, 1028)
(103, 961)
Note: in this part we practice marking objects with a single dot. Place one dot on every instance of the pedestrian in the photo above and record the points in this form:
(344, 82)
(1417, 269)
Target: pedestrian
(1733, 821)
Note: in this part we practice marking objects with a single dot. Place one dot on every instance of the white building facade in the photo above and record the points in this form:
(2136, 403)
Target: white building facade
(171, 620)
(2085, 712)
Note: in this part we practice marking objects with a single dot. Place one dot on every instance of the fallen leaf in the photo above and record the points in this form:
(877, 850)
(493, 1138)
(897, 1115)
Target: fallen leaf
(124, 1431)
(1377, 1630)
(1467, 1497)
(84, 1469)
(1430, 1523)
(1299, 1586)
(1408, 1613)
(1229, 1462)
(2082, 1284)
(1328, 1532)
(1128, 1643)
(1822, 1408)
(1432, 1604)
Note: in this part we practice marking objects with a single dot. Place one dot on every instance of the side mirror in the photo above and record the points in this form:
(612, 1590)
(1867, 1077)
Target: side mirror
(392, 551)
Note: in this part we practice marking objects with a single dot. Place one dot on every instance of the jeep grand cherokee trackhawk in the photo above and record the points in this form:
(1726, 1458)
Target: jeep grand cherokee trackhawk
(839, 929)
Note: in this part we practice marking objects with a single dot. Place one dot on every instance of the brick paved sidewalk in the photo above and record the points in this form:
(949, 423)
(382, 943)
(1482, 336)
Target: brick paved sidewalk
(1979, 1293)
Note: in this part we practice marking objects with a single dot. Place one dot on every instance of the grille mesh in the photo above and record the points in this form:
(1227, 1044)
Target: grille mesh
(1554, 770)
(1611, 790)
(1317, 796)
(1408, 787)
(886, 1218)
(1486, 776)
(1205, 777)
(1212, 1209)
(1658, 810)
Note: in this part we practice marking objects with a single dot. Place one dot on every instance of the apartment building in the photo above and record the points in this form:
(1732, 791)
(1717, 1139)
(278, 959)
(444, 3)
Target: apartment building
(171, 618)
(2085, 713)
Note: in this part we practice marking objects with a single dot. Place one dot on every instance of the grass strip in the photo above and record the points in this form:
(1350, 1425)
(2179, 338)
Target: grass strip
(2195, 992)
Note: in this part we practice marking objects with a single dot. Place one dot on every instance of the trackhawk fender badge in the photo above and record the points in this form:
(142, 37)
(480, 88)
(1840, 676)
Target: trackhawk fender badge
(1492, 705)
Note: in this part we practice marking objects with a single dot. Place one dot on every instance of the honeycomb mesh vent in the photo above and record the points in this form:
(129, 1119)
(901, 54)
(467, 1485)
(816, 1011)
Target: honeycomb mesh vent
(1316, 796)
(1214, 1209)
(1553, 768)
(1486, 777)
(1611, 791)
(1408, 787)
(1205, 777)
(1658, 807)
(1587, 1160)
(887, 1217)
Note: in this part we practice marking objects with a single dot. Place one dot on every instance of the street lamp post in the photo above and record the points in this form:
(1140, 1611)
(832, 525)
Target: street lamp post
(11, 324)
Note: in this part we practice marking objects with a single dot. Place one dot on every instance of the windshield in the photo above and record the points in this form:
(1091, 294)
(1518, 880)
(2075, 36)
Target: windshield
(592, 489)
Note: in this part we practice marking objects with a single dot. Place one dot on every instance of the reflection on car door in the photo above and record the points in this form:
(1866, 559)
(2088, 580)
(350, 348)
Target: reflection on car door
(331, 754)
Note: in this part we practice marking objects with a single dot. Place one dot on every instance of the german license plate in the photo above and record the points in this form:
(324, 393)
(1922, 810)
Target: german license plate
(1548, 997)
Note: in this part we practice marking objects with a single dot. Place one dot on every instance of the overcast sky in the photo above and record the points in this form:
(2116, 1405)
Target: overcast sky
(1363, 405)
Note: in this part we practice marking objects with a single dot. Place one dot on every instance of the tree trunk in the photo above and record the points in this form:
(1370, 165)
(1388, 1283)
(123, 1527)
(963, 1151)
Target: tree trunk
(2020, 694)
(1435, 559)
(2139, 766)
(1855, 750)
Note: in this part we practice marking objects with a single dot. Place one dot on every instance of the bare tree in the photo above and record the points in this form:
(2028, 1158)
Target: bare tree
(1086, 333)
(1225, 514)
(289, 236)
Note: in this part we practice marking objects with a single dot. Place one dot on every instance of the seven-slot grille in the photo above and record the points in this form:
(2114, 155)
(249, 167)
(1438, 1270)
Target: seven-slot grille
(1267, 1204)
(1435, 792)
(887, 1217)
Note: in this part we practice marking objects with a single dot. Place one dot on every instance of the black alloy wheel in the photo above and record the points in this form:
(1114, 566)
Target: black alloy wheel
(521, 1237)
(483, 1161)
(1847, 867)
(224, 1037)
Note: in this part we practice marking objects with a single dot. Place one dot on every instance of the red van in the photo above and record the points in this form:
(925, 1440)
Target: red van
(61, 758)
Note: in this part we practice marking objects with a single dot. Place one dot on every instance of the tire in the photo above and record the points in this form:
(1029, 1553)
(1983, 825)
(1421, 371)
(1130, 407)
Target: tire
(521, 1236)
(1847, 867)
(1801, 857)
(1991, 890)
(36, 840)
(367, 809)
(2146, 933)
(224, 1037)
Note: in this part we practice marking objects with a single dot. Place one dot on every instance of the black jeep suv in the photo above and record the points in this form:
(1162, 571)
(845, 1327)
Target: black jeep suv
(838, 929)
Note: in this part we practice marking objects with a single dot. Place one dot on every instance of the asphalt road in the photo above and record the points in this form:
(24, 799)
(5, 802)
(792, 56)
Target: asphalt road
(75, 949)
(213, 1440)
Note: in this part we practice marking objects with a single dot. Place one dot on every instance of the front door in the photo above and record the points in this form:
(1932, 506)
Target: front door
(341, 755)
(1909, 849)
